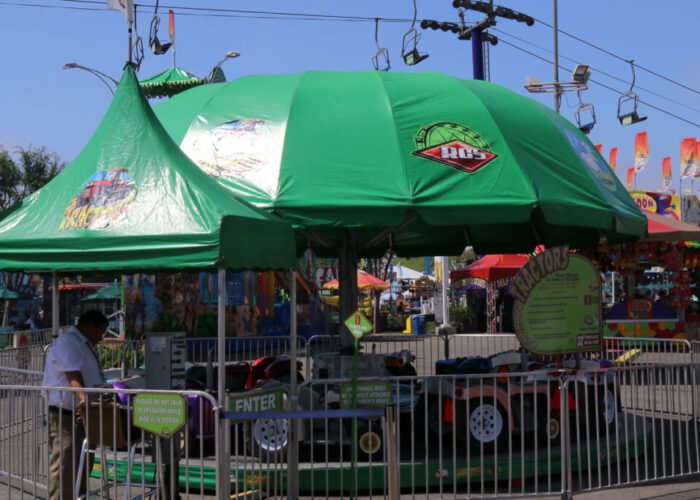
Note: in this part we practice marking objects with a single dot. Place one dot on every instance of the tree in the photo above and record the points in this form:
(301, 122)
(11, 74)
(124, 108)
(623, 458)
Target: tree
(38, 167)
(29, 170)
(10, 178)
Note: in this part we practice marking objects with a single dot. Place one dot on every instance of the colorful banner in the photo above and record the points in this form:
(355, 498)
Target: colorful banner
(696, 159)
(171, 28)
(599, 147)
(658, 203)
(666, 173)
(630, 178)
(688, 158)
(438, 269)
(641, 151)
(613, 158)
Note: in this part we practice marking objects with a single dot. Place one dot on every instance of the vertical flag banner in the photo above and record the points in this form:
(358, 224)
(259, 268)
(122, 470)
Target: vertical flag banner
(688, 157)
(171, 28)
(641, 151)
(696, 159)
(667, 175)
(630, 178)
(438, 269)
(126, 7)
(613, 158)
(599, 147)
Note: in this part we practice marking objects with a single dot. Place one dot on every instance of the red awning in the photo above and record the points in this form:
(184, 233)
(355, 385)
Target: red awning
(365, 281)
(492, 267)
(663, 228)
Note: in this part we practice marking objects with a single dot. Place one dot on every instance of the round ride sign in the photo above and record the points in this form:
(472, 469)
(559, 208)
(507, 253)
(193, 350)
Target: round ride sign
(557, 307)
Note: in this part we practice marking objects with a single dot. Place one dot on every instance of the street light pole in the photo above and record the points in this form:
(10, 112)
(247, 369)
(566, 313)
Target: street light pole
(99, 74)
(557, 93)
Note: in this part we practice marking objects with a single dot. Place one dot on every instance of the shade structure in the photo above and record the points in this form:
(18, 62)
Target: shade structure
(169, 82)
(365, 281)
(663, 228)
(113, 291)
(423, 163)
(7, 294)
(492, 267)
(132, 201)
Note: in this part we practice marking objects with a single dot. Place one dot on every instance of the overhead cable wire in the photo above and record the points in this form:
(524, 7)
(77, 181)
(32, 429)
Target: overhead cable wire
(685, 105)
(298, 16)
(612, 54)
(603, 85)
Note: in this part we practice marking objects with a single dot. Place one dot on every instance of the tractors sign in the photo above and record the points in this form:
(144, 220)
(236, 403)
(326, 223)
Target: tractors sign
(557, 308)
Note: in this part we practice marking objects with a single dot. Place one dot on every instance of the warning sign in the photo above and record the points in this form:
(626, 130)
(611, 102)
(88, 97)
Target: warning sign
(358, 324)
(160, 414)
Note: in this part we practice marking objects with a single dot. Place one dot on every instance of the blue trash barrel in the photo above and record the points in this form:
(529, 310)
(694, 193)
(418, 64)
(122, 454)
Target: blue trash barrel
(418, 324)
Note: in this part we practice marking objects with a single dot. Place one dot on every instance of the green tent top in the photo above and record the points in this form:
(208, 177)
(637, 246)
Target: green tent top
(169, 82)
(132, 201)
(424, 163)
(7, 294)
(113, 291)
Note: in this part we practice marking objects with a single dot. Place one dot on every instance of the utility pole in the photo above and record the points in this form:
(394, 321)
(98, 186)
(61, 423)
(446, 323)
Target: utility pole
(557, 91)
(477, 33)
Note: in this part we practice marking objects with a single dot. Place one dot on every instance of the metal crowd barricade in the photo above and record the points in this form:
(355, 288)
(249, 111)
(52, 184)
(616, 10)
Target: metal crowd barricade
(204, 350)
(426, 348)
(119, 452)
(630, 351)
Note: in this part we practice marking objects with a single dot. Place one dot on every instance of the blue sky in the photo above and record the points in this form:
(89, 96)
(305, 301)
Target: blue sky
(41, 104)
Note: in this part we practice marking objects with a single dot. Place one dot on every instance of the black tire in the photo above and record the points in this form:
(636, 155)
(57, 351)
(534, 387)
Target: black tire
(427, 422)
(370, 441)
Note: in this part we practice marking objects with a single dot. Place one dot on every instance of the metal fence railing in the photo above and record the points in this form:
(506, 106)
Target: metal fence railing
(97, 445)
(547, 431)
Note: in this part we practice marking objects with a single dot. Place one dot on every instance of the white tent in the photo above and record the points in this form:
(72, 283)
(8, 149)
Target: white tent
(406, 273)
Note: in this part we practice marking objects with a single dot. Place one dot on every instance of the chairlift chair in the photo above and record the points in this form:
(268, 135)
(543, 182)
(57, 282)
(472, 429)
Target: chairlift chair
(585, 116)
(410, 41)
(631, 117)
(380, 63)
(377, 59)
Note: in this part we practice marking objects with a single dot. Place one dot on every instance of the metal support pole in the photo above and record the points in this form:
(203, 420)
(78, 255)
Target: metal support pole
(54, 305)
(555, 24)
(564, 429)
(445, 281)
(477, 55)
(223, 475)
(392, 453)
(293, 452)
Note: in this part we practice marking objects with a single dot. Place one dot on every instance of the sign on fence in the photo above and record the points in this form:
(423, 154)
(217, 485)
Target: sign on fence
(258, 401)
(358, 324)
(369, 395)
(160, 414)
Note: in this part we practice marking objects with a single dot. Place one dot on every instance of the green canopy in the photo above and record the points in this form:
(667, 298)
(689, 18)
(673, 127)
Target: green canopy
(169, 82)
(113, 291)
(423, 163)
(132, 201)
(7, 294)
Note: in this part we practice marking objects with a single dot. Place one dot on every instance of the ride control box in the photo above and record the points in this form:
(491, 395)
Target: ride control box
(165, 360)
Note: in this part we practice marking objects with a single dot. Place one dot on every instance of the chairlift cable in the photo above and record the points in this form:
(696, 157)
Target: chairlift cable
(662, 110)
(597, 70)
(328, 17)
(612, 54)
